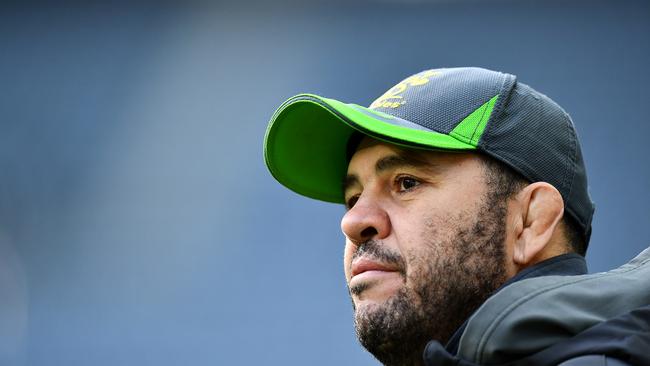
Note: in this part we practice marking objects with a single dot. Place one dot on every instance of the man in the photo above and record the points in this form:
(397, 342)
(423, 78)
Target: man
(459, 185)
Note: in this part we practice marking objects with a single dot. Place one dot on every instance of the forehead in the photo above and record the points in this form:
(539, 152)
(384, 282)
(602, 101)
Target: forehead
(367, 141)
(368, 150)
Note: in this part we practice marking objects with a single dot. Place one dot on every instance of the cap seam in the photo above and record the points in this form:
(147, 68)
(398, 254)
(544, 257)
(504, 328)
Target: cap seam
(485, 108)
(567, 179)
(498, 108)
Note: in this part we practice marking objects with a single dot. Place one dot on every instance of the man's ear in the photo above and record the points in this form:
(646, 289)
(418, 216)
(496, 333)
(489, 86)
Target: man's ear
(540, 209)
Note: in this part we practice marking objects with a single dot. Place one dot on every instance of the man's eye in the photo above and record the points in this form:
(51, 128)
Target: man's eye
(407, 183)
(351, 201)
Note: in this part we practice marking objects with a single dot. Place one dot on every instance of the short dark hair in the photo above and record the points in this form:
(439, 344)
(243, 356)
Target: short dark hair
(504, 182)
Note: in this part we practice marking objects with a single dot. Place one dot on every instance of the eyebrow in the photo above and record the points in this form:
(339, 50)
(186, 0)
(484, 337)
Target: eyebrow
(400, 159)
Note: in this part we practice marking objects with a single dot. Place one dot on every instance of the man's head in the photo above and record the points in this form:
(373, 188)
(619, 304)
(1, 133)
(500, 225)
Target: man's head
(430, 235)
(424, 246)
(454, 180)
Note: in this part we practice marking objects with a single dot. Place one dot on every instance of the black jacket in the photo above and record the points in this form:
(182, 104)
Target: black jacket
(554, 314)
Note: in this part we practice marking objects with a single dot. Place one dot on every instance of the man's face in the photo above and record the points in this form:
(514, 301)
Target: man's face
(424, 246)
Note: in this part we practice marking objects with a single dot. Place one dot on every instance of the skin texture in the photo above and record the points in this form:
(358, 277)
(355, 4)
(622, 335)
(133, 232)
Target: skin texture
(426, 243)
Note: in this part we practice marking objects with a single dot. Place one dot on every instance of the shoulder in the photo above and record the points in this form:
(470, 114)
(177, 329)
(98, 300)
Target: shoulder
(594, 360)
(566, 320)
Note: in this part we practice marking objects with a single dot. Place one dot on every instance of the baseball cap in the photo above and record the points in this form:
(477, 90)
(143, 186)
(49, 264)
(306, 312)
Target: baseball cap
(456, 109)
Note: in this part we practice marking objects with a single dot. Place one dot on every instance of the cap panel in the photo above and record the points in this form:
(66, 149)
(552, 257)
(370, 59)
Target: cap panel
(439, 99)
(581, 206)
(471, 128)
(534, 136)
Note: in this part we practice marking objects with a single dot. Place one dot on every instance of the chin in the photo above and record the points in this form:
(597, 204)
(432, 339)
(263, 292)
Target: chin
(369, 300)
(376, 291)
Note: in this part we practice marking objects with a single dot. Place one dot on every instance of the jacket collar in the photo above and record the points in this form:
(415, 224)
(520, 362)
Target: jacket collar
(570, 264)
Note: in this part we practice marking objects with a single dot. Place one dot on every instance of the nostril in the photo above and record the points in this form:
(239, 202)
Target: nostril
(368, 232)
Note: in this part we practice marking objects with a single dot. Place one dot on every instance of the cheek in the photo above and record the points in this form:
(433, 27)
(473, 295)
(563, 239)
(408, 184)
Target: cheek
(410, 229)
(423, 236)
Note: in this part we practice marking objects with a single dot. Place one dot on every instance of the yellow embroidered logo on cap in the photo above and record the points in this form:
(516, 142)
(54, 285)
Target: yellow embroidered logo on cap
(393, 98)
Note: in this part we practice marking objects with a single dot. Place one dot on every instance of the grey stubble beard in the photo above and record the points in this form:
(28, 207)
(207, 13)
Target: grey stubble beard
(461, 270)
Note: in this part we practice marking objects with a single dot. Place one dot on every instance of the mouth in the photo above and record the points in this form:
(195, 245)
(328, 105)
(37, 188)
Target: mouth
(373, 280)
(366, 267)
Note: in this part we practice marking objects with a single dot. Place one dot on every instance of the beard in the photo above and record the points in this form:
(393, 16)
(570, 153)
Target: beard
(445, 280)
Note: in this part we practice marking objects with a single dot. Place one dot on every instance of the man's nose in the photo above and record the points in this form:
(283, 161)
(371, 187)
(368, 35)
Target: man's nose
(365, 220)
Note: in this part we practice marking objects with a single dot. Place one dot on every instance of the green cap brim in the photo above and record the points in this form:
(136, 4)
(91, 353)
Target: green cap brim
(305, 146)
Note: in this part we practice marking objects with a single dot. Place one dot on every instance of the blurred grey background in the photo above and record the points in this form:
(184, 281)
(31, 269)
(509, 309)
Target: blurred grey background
(138, 223)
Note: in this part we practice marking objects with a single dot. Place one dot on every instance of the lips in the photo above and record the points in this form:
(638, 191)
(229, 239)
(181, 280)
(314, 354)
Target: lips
(362, 265)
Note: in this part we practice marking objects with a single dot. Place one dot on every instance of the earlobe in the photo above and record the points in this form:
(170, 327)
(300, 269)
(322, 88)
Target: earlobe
(542, 208)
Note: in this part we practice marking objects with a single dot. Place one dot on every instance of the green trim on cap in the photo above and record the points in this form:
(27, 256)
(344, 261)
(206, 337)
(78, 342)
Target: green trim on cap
(305, 144)
(471, 128)
(381, 128)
